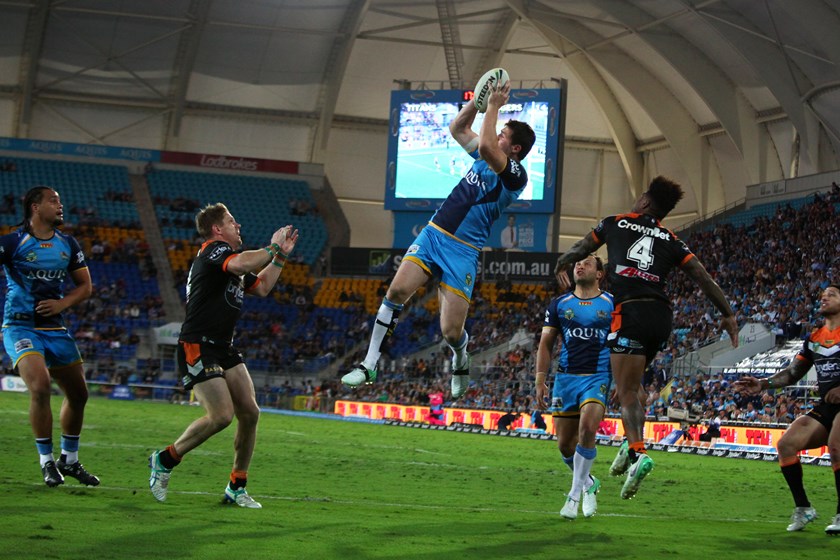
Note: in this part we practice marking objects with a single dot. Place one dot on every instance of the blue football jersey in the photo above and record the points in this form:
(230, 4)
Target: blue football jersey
(584, 325)
(478, 200)
(35, 271)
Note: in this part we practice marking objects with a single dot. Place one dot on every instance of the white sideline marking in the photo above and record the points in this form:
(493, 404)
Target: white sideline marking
(418, 450)
(327, 499)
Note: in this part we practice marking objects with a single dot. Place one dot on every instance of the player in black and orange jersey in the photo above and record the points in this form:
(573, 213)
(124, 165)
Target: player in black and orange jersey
(821, 426)
(641, 253)
(208, 362)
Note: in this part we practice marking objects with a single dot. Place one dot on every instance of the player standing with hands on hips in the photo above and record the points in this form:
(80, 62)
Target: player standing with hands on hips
(208, 362)
(449, 248)
(38, 258)
(641, 254)
(821, 426)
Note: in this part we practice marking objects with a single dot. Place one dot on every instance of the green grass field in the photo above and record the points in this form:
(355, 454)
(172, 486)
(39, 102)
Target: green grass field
(333, 489)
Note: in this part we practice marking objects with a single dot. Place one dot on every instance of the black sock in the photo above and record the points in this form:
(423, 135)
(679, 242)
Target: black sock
(837, 484)
(167, 461)
(793, 476)
(237, 483)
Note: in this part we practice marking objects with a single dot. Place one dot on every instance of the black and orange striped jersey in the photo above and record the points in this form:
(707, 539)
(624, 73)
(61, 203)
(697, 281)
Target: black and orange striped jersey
(822, 350)
(214, 295)
(641, 253)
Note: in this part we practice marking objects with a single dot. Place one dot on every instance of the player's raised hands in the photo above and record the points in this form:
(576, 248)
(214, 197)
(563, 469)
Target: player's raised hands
(286, 237)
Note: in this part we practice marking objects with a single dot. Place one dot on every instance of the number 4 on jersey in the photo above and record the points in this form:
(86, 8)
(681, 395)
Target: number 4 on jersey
(641, 252)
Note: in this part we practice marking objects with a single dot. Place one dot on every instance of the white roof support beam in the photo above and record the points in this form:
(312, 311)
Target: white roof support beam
(672, 118)
(417, 21)
(334, 73)
(777, 71)
(53, 106)
(183, 66)
(734, 112)
(32, 44)
(823, 23)
(492, 57)
(451, 37)
(116, 59)
(620, 129)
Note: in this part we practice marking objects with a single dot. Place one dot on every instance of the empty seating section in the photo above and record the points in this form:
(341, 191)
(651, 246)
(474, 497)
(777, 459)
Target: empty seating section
(342, 293)
(516, 296)
(361, 298)
(260, 204)
(297, 274)
(91, 193)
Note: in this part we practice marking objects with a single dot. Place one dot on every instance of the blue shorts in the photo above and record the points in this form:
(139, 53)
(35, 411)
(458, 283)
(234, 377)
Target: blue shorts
(446, 258)
(571, 392)
(56, 347)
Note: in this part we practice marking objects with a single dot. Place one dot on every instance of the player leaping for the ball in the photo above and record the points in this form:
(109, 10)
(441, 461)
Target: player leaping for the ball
(641, 254)
(581, 320)
(449, 247)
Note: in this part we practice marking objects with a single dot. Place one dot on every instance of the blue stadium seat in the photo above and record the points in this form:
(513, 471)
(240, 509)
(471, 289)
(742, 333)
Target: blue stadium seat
(259, 204)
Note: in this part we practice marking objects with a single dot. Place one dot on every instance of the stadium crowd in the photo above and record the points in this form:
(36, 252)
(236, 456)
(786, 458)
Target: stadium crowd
(773, 269)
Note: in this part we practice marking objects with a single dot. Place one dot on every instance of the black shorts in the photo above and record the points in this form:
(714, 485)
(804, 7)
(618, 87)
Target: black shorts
(200, 361)
(824, 413)
(640, 327)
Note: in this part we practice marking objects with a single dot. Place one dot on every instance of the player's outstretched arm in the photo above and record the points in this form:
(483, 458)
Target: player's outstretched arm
(695, 269)
(791, 374)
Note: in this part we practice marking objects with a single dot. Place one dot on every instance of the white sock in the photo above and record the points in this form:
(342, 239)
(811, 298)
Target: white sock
(384, 317)
(44, 459)
(581, 479)
(459, 352)
(70, 457)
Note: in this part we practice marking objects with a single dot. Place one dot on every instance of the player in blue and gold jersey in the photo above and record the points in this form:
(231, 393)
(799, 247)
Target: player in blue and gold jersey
(38, 258)
(821, 426)
(580, 321)
(448, 248)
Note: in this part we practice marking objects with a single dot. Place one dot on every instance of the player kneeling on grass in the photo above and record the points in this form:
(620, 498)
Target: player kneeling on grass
(207, 360)
(582, 319)
(449, 247)
(821, 426)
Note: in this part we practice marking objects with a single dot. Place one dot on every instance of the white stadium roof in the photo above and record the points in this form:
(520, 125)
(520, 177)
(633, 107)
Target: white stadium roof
(719, 94)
